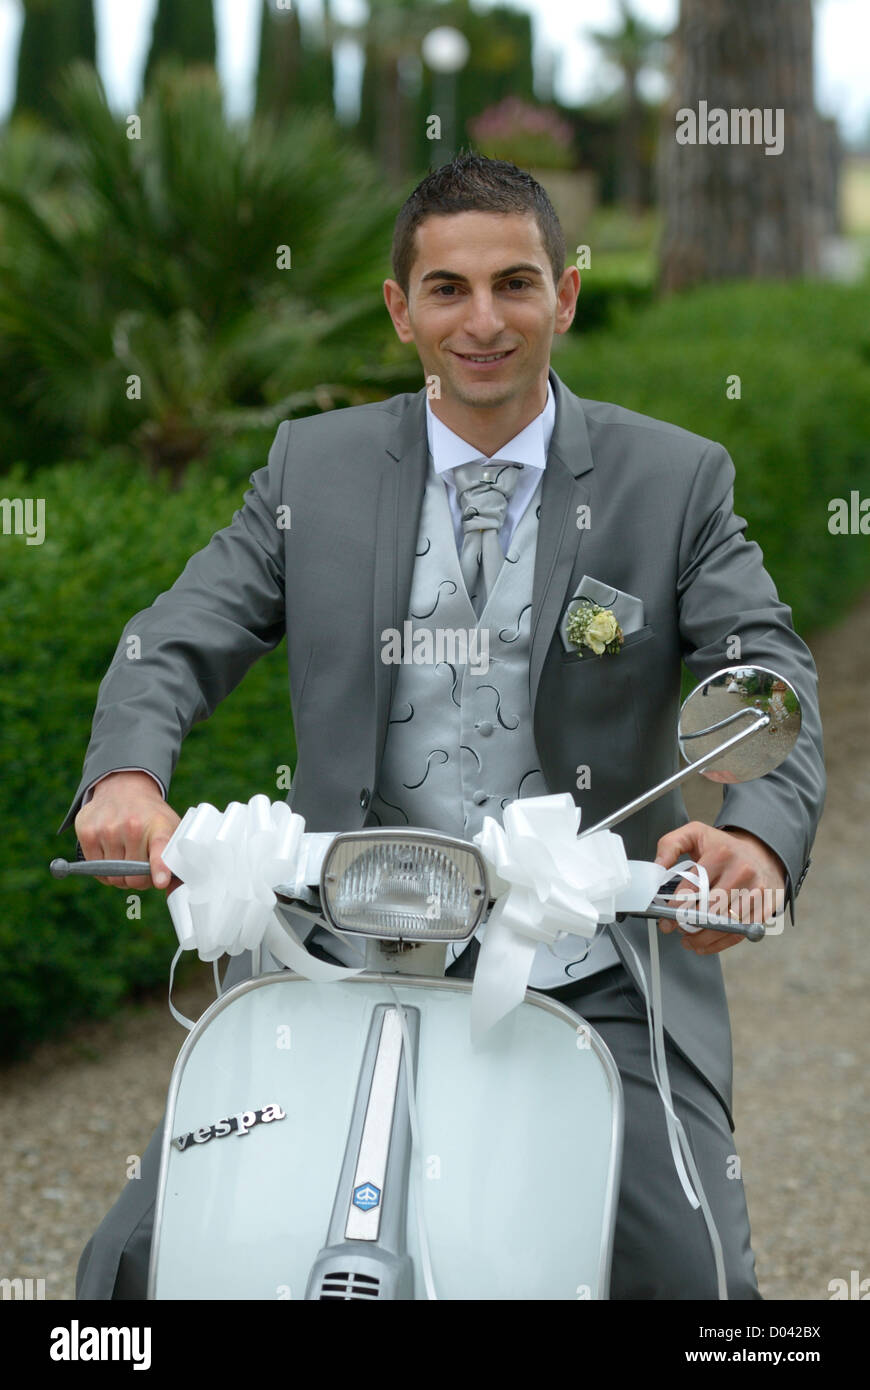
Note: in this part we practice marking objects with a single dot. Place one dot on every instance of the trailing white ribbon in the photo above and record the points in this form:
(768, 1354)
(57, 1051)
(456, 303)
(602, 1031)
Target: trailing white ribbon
(554, 887)
(680, 1149)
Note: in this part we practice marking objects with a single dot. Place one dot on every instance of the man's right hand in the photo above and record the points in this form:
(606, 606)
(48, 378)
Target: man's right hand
(127, 818)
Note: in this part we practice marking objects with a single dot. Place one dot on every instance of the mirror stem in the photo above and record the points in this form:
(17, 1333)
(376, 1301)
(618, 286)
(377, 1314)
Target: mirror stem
(653, 795)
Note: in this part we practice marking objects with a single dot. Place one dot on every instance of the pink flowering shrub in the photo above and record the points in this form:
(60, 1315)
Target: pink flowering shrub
(526, 135)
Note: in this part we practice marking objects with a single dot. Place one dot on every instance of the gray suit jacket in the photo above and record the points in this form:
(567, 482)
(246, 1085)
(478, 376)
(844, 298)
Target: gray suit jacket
(661, 527)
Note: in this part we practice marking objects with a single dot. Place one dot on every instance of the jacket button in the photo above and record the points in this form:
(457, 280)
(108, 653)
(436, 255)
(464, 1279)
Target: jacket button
(479, 798)
(365, 797)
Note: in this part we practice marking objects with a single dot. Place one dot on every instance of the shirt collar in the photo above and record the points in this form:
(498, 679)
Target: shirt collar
(529, 447)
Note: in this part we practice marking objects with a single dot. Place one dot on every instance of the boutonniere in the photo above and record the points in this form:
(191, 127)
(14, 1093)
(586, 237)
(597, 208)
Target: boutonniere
(595, 627)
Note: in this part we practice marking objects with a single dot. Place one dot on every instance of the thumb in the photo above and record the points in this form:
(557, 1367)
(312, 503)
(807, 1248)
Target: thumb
(160, 873)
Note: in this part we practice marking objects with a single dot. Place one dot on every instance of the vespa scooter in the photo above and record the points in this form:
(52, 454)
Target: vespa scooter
(343, 1134)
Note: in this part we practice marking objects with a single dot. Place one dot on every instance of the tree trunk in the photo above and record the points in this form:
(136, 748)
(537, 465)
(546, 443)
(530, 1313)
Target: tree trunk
(631, 143)
(278, 66)
(731, 210)
(391, 126)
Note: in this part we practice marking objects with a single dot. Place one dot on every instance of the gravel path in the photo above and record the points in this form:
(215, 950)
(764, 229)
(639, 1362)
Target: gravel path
(73, 1114)
(800, 1020)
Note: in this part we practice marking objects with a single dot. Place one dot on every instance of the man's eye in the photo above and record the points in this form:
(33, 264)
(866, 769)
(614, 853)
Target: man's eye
(514, 281)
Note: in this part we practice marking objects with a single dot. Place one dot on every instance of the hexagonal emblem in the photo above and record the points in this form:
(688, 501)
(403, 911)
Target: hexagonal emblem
(366, 1196)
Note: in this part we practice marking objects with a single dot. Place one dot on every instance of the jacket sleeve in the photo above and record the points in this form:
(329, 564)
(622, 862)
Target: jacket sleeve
(178, 659)
(725, 592)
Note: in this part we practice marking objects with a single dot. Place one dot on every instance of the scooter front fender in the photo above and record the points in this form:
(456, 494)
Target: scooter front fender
(517, 1170)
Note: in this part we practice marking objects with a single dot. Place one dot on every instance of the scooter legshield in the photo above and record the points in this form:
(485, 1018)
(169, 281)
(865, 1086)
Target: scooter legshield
(517, 1170)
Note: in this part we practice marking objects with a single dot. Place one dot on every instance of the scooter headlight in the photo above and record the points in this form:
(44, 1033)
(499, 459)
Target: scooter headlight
(404, 885)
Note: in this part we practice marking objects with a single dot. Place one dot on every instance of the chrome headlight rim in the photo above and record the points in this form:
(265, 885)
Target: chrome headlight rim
(416, 836)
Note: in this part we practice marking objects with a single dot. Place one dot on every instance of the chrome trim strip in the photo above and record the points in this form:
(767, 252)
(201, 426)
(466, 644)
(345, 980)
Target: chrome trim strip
(377, 1131)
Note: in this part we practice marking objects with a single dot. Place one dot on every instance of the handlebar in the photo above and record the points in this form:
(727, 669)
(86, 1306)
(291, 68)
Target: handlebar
(100, 868)
(129, 868)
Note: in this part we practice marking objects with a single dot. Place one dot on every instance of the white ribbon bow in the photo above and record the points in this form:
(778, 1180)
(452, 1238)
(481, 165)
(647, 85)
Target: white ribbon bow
(550, 887)
(228, 862)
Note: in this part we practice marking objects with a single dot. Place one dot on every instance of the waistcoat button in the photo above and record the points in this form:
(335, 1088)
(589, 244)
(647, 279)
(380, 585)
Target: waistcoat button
(365, 797)
(484, 728)
(479, 798)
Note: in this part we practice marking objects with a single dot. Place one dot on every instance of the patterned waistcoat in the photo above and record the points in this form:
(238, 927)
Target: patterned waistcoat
(459, 742)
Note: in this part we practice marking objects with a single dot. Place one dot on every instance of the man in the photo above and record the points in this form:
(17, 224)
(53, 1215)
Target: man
(397, 512)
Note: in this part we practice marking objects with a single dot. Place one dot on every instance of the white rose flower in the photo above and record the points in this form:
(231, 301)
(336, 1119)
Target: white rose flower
(600, 630)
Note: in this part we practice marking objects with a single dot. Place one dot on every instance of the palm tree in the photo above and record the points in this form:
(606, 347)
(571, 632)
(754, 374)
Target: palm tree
(393, 115)
(634, 46)
(155, 305)
(392, 36)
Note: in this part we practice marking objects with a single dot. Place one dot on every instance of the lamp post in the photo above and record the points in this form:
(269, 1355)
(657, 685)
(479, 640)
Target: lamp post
(445, 50)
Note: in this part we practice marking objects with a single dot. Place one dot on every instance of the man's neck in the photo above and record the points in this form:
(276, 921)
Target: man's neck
(489, 428)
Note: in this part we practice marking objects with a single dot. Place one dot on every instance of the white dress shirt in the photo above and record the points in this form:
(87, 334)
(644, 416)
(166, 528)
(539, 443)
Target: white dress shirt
(529, 447)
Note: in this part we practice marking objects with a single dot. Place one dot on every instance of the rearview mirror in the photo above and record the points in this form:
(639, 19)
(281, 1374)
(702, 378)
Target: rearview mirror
(749, 712)
(728, 703)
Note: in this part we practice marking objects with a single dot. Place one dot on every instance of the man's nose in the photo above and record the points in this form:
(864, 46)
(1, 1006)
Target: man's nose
(484, 318)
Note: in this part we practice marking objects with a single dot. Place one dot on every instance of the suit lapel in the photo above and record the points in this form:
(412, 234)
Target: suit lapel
(559, 537)
(400, 504)
(402, 486)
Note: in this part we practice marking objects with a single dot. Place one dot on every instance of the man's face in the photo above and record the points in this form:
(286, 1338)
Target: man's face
(482, 285)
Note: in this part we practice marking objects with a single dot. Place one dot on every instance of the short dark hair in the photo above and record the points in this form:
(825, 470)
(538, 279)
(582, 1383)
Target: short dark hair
(473, 183)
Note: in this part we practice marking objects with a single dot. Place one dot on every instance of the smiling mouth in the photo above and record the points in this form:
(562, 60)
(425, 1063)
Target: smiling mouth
(484, 356)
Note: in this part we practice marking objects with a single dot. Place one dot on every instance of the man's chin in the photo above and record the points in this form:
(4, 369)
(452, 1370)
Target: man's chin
(486, 394)
(485, 400)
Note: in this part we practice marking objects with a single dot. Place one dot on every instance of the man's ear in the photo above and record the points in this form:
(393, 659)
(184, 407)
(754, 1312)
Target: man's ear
(397, 307)
(566, 298)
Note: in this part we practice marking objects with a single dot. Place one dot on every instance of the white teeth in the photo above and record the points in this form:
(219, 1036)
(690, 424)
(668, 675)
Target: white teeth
(494, 357)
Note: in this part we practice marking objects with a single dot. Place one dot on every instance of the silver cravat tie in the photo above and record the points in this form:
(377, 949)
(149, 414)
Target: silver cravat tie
(484, 489)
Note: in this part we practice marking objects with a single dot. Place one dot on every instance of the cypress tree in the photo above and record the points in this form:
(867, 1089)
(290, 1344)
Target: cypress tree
(55, 33)
(295, 64)
(183, 29)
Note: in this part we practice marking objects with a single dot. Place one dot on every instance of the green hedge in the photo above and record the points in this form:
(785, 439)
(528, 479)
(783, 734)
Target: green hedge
(115, 538)
(799, 434)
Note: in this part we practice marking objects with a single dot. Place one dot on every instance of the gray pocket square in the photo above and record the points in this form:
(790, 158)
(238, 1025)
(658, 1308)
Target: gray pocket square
(626, 609)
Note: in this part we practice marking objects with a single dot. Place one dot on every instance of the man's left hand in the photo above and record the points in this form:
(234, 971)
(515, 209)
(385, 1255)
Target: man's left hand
(734, 859)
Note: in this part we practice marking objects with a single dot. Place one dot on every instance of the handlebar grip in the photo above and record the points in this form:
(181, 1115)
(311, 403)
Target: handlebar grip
(103, 868)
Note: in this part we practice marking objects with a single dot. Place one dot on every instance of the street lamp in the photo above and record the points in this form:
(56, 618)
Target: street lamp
(445, 50)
